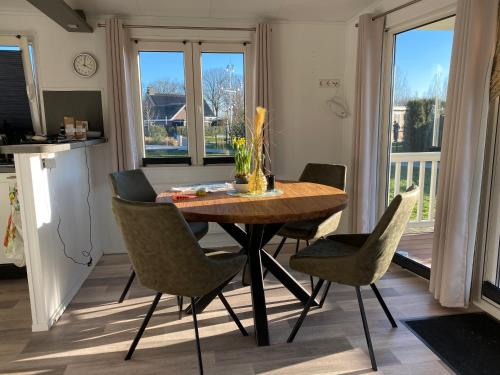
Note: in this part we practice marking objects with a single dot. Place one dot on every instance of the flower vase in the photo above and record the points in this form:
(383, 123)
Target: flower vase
(257, 182)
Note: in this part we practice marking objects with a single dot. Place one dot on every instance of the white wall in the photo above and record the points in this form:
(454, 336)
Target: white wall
(305, 128)
(54, 50)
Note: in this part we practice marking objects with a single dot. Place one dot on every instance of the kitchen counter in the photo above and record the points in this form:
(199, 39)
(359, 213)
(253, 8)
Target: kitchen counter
(42, 148)
(61, 188)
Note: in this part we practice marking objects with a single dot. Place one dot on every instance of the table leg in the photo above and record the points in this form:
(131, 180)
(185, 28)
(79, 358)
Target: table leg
(280, 273)
(288, 281)
(256, 232)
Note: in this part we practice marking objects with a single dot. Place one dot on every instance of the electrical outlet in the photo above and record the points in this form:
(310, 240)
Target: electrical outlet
(329, 83)
(49, 163)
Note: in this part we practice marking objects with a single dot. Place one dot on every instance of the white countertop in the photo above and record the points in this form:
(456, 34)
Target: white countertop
(42, 148)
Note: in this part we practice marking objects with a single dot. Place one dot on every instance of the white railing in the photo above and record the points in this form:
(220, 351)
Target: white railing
(428, 163)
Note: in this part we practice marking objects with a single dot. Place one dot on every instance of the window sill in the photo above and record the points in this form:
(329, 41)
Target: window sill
(166, 161)
(218, 160)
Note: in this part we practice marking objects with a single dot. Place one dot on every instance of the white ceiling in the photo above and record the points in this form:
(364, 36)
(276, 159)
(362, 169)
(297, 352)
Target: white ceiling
(288, 10)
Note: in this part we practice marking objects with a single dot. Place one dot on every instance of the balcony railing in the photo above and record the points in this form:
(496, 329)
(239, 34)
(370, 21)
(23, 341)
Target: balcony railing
(420, 168)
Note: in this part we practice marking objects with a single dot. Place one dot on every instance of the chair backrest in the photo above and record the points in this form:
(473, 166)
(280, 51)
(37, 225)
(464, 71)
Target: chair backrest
(164, 252)
(375, 256)
(326, 174)
(132, 185)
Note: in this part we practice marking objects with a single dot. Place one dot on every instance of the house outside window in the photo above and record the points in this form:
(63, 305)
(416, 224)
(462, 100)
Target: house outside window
(193, 99)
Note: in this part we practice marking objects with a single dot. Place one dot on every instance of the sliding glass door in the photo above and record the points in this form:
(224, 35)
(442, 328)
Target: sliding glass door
(416, 108)
(490, 283)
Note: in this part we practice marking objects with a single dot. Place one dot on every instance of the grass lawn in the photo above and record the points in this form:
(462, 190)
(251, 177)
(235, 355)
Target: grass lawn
(403, 186)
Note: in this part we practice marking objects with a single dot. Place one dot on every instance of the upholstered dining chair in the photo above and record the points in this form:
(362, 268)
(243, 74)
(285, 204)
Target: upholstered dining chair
(326, 174)
(133, 185)
(357, 259)
(167, 258)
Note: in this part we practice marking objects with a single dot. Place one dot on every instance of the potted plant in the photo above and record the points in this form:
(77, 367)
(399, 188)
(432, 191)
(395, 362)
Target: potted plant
(242, 161)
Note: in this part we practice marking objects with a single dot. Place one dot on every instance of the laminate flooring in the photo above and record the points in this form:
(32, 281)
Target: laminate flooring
(94, 333)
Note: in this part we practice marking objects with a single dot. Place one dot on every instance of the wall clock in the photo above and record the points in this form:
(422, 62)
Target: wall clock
(85, 65)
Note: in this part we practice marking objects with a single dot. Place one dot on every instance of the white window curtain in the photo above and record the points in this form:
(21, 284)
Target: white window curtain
(366, 123)
(263, 84)
(121, 130)
(462, 152)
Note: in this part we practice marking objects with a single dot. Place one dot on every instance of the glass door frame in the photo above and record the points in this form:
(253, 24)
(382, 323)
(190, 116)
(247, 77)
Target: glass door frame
(385, 117)
(486, 292)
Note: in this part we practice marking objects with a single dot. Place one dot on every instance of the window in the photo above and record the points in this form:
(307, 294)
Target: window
(193, 100)
(19, 108)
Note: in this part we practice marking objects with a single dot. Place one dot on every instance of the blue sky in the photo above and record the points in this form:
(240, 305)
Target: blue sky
(170, 66)
(421, 53)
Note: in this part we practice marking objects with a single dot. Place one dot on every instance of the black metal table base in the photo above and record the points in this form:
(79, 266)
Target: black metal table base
(252, 240)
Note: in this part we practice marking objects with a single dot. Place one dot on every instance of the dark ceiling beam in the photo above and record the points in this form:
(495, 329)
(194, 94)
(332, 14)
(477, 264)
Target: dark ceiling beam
(63, 14)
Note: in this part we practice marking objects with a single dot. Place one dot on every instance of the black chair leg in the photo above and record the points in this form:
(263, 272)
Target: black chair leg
(275, 254)
(198, 346)
(143, 326)
(127, 287)
(180, 303)
(325, 293)
(367, 331)
(233, 314)
(384, 306)
(310, 277)
(297, 247)
(305, 311)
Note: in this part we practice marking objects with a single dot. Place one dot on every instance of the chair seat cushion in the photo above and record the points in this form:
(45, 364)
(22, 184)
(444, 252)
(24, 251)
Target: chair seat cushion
(329, 260)
(300, 230)
(199, 229)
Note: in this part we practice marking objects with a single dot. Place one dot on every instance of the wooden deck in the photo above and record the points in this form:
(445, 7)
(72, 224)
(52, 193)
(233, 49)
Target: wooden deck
(418, 246)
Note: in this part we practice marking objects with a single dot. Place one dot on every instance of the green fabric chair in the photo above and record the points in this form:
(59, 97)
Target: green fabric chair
(326, 174)
(167, 258)
(357, 259)
(133, 185)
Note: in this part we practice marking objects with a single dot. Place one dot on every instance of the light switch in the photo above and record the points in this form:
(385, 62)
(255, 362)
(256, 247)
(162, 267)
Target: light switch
(329, 83)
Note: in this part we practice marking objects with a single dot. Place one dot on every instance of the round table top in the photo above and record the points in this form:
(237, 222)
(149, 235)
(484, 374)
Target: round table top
(299, 201)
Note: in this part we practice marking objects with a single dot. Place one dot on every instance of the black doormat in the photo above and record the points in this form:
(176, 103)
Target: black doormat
(467, 343)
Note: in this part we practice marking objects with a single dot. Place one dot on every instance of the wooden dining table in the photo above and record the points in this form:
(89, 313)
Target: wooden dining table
(262, 218)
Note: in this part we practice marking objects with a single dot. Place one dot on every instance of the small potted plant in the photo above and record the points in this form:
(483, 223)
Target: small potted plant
(243, 162)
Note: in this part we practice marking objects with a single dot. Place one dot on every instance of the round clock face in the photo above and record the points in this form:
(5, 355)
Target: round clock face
(85, 65)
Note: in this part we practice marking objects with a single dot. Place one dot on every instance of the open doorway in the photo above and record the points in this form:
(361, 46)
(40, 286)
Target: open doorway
(414, 118)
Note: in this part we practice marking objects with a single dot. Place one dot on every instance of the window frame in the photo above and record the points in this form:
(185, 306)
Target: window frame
(388, 54)
(194, 96)
(148, 46)
(212, 47)
(30, 76)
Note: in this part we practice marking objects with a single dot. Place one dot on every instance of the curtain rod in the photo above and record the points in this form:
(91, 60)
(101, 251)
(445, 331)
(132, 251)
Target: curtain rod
(183, 27)
(402, 6)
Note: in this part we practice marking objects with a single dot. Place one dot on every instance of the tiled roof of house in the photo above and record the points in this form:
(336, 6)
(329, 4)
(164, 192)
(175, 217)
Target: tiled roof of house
(167, 105)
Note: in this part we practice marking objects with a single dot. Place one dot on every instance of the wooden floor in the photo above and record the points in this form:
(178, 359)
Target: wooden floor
(418, 247)
(94, 333)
